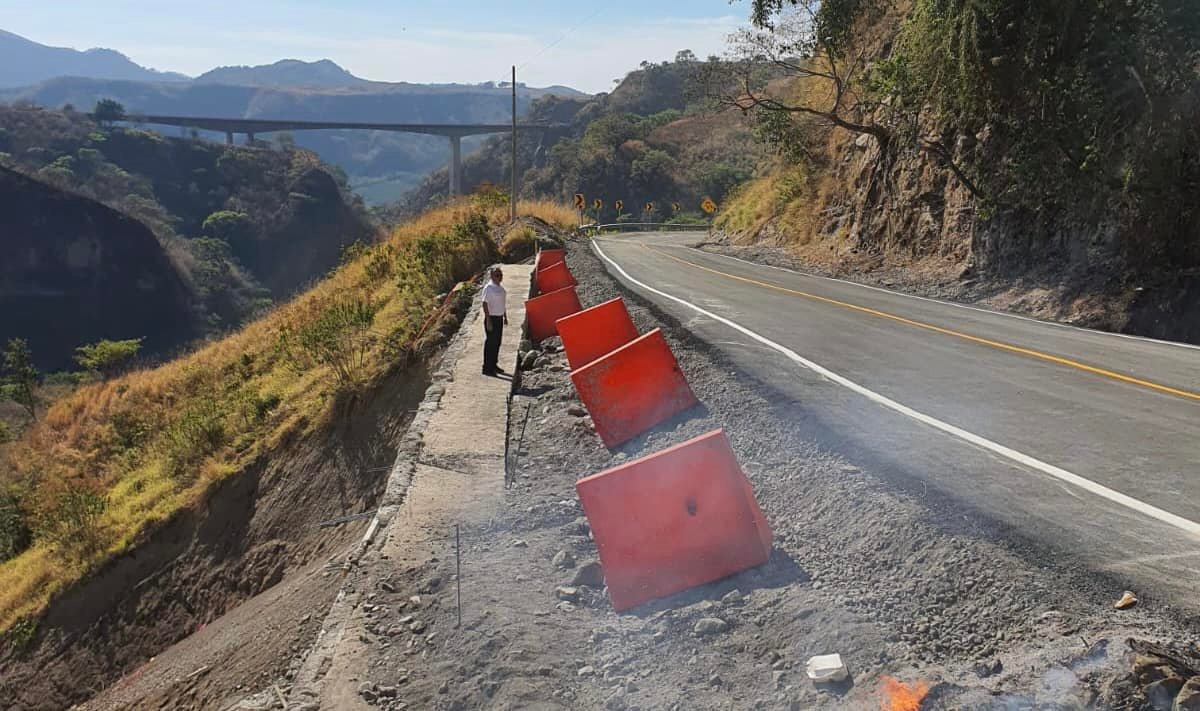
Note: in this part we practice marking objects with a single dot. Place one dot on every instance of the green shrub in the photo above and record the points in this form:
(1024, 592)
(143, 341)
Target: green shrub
(106, 356)
(15, 535)
(198, 432)
(339, 338)
(73, 523)
(21, 633)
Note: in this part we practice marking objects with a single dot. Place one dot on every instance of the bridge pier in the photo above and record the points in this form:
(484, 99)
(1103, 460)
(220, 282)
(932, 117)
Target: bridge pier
(455, 165)
(250, 138)
(229, 138)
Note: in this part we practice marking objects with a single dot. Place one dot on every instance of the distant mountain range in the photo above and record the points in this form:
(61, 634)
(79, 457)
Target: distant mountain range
(388, 162)
(24, 62)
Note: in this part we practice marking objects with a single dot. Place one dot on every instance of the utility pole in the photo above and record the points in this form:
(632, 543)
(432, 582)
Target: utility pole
(512, 199)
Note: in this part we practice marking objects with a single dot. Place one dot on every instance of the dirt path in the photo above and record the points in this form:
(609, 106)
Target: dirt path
(456, 479)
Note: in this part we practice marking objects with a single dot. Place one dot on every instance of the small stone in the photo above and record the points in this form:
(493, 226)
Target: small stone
(388, 692)
(417, 626)
(519, 543)
(586, 671)
(565, 592)
(563, 559)
(367, 691)
(529, 360)
(577, 411)
(715, 680)
(407, 619)
(986, 669)
(733, 597)
(415, 600)
(589, 574)
(564, 606)
(444, 688)
(1127, 600)
(526, 345)
(431, 584)
(710, 625)
(777, 678)
(541, 362)
(387, 587)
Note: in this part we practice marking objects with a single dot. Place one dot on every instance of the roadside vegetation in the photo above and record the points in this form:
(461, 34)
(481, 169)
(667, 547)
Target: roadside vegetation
(1068, 125)
(106, 464)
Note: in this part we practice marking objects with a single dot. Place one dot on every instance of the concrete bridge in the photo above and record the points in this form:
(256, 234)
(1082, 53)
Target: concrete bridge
(230, 126)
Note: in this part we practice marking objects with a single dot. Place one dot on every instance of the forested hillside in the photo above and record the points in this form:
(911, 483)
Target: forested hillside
(242, 227)
(653, 139)
(969, 147)
(380, 164)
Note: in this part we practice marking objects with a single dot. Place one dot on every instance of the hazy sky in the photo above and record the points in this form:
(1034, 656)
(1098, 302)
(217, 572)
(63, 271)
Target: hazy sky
(451, 40)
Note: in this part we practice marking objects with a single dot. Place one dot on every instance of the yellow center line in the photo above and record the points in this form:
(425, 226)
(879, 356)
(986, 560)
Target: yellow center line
(945, 331)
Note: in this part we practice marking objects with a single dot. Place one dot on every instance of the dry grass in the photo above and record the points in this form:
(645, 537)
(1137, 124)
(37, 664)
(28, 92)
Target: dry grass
(155, 441)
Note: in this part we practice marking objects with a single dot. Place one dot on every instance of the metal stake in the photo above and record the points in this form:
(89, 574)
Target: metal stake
(458, 571)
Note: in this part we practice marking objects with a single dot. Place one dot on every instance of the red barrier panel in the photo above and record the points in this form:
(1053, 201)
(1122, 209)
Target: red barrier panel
(553, 278)
(673, 520)
(597, 331)
(542, 312)
(548, 257)
(633, 388)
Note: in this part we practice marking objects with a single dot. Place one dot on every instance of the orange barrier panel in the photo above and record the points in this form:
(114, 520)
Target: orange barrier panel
(597, 331)
(548, 257)
(633, 388)
(543, 312)
(553, 278)
(673, 520)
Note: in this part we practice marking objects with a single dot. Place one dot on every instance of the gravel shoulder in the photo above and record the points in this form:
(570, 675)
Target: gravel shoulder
(899, 585)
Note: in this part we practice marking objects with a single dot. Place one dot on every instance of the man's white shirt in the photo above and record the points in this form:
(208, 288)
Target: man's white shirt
(494, 296)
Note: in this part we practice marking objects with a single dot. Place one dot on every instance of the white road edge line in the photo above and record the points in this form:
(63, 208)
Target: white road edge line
(980, 309)
(1183, 524)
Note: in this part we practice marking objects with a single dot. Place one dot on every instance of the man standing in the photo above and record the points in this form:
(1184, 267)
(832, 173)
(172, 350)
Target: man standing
(495, 318)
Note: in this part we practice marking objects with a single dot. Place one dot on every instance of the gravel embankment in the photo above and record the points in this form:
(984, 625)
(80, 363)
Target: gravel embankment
(860, 568)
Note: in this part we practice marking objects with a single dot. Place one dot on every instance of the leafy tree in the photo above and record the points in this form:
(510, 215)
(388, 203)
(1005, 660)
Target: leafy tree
(226, 225)
(652, 172)
(108, 111)
(107, 356)
(20, 375)
(719, 179)
(807, 40)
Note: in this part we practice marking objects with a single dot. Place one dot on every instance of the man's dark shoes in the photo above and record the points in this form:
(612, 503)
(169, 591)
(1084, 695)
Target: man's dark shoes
(489, 372)
(500, 370)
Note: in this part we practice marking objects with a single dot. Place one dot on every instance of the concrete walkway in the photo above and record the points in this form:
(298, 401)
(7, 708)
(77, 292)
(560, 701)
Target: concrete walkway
(458, 478)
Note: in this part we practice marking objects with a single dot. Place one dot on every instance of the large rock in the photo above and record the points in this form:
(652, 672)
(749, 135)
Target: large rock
(589, 574)
(709, 626)
(73, 271)
(1189, 696)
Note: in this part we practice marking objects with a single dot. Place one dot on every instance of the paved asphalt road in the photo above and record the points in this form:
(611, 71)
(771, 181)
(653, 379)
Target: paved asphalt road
(1082, 444)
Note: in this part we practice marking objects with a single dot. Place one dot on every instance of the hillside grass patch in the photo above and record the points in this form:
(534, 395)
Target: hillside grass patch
(113, 460)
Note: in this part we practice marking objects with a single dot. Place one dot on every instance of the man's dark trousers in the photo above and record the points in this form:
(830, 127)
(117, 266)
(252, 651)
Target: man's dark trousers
(491, 346)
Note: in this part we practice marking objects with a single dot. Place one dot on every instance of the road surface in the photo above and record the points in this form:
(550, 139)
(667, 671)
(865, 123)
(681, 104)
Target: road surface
(1084, 445)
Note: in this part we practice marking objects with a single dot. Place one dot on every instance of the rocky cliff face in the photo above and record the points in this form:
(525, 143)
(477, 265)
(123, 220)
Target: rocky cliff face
(73, 271)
